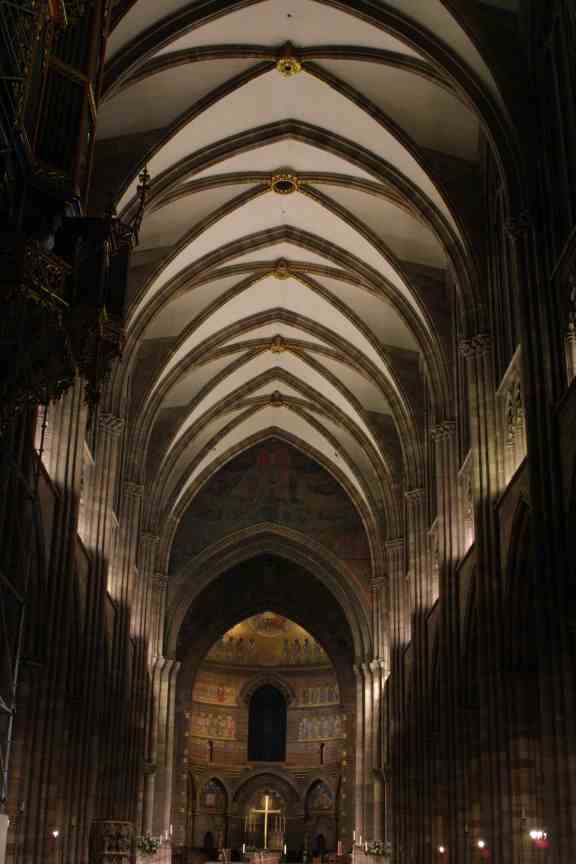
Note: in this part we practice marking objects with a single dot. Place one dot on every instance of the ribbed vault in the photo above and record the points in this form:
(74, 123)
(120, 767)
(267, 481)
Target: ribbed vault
(307, 242)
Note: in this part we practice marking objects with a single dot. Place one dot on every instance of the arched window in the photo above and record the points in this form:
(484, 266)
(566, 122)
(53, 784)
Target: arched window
(267, 729)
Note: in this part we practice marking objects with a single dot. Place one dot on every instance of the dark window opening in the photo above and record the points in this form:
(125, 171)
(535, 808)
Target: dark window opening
(267, 729)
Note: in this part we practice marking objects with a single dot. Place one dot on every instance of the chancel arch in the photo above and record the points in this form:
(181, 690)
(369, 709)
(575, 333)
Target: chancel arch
(302, 657)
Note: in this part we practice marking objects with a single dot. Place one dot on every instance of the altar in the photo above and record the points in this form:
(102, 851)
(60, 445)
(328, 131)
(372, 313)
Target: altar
(265, 830)
(264, 857)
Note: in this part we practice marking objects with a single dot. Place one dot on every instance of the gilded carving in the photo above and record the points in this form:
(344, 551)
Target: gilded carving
(288, 64)
(284, 183)
(281, 269)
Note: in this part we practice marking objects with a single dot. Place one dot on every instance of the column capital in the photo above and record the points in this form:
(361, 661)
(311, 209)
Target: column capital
(476, 346)
(377, 665)
(442, 431)
(378, 582)
(149, 537)
(110, 423)
(133, 490)
(159, 581)
(414, 495)
(396, 544)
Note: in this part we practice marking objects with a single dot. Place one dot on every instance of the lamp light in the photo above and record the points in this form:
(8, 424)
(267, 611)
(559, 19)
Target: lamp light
(481, 844)
(442, 850)
(55, 833)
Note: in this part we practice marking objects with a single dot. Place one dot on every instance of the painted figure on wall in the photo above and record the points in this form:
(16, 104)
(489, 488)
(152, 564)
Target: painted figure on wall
(273, 482)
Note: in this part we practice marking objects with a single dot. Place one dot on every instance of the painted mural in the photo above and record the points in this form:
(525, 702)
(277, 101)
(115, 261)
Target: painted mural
(213, 795)
(273, 482)
(328, 694)
(214, 694)
(322, 727)
(320, 797)
(218, 726)
(268, 639)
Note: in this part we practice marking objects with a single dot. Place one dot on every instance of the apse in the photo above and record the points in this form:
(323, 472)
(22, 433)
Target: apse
(264, 731)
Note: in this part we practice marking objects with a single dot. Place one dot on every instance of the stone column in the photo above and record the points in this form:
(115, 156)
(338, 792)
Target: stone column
(122, 583)
(158, 610)
(359, 824)
(495, 793)
(543, 381)
(146, 672)
(448, 544)
(112, 842)
(46, 781)
(422, 594)
(377, 668)
(399, 629)
(166, 673)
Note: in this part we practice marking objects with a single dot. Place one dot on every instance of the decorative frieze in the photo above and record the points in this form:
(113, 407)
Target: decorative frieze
(475, 346)
(110, 423)
(112, 842)
(511, 416)
(133, 490)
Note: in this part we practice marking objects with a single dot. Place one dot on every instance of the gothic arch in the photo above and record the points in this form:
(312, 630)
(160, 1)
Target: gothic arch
(260, 680)
(285, 543)
(273, 777)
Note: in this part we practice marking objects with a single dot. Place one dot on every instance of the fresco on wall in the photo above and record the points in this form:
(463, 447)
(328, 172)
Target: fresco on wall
(214, 694)
(213, 795)
(322, 727)
(320, 797)
(273, 482)
(218, 726)
(268, 639)
(327, 694)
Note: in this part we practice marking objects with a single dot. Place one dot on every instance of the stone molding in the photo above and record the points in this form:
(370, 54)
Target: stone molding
(414, 495)
(111, 424)
(476, 346)
(394, 545)
(133, 490)
(442, 431)
(159, 581)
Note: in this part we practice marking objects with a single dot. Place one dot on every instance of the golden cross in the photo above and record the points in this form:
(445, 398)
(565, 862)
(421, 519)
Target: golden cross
(267, 812)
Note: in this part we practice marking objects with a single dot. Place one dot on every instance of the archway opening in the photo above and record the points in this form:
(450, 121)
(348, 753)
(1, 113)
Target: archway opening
(273, 689)
(267, 725)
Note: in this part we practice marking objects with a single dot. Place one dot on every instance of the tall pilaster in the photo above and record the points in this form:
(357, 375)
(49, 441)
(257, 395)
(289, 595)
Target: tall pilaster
(495, 793)
(399, 634)
(543, 364)
(360, 768)
(448, 544)
(165, 678)
(421, 602)
(46, 784)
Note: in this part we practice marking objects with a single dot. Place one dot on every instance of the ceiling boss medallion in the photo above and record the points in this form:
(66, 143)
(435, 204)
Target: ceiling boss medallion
(281, 269)
(284, 184)
(287, 64)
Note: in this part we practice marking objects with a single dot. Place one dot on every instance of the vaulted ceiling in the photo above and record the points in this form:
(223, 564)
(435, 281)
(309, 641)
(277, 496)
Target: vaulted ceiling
(312, 219)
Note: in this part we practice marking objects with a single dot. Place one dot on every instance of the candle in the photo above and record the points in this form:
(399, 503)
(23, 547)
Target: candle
(354, 835)
(243, 848)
